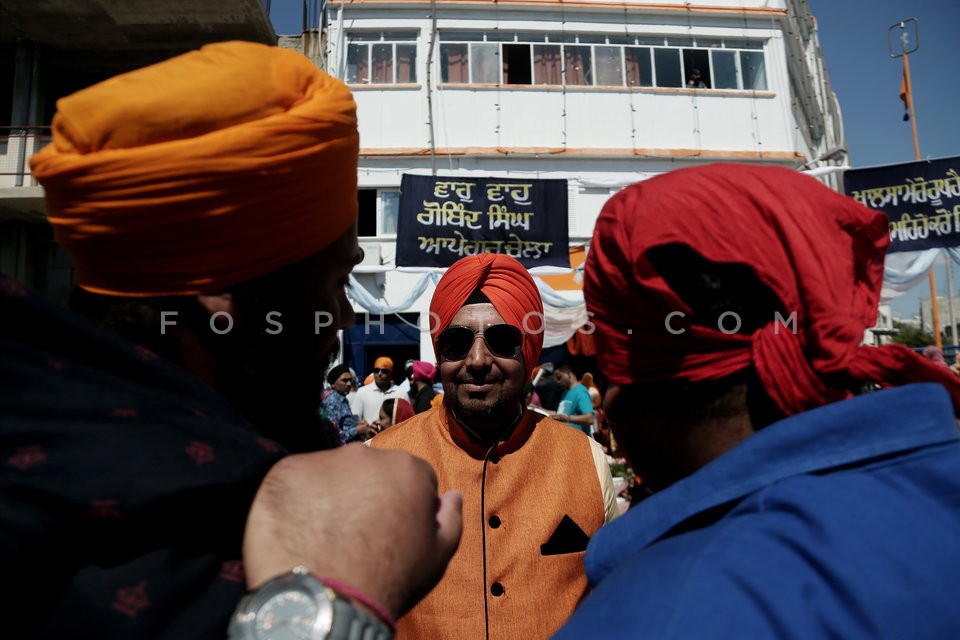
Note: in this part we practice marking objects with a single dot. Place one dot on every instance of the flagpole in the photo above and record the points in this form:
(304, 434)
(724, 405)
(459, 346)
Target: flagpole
(913, 117)
(934, 307)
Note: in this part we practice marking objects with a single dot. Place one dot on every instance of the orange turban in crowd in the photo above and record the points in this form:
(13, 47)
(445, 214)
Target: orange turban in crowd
(383, 362)
(509, 288)
(202, 171)
(820, 252)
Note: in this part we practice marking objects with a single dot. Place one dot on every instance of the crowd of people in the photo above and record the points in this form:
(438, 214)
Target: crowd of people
(174, 467)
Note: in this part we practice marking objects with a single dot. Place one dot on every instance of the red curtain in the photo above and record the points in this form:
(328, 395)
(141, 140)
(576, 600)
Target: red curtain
(382, 64)
(546, 64)
(577, 61)
(358, 55)
(455, 61)
(406, 63)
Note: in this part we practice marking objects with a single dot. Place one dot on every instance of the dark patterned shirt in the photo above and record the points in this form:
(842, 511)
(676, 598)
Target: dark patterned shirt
(124, 484)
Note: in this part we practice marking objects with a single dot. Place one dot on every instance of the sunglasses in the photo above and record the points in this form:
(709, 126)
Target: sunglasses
(503, 340)
(383, 371)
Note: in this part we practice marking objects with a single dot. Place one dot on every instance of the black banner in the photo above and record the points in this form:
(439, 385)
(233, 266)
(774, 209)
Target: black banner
(922, 200)
(443, 219)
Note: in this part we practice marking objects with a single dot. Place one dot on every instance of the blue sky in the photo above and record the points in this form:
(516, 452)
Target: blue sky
(853, 37)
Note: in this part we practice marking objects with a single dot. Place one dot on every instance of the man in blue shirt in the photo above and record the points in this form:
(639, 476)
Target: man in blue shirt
(337, 408)
(788, 503)
(576, 407)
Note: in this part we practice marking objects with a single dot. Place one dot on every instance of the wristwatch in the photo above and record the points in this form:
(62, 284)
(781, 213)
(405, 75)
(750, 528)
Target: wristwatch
(297, 606)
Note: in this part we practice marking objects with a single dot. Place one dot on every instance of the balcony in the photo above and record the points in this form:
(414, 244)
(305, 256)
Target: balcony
(17, 144)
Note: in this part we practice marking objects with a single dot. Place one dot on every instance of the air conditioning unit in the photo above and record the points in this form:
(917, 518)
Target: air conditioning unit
(371, 254)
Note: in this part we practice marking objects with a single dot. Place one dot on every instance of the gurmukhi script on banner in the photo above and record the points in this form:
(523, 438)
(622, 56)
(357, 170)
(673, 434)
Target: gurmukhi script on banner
(922, 200)
(443, 219)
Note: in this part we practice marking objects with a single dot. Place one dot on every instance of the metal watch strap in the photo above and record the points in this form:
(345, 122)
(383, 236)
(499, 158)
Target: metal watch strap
(353, 623)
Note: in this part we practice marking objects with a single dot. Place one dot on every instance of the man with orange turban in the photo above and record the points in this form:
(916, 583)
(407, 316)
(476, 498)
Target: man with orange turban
(209, 205)
(369, 398)
(794, 499)
(534, 489)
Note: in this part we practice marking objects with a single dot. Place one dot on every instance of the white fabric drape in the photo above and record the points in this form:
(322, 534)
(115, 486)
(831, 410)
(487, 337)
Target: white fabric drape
(357, 293)
(563, 315)
(904, 270)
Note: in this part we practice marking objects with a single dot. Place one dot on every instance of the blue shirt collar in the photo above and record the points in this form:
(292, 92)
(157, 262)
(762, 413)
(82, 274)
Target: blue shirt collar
(868, 426)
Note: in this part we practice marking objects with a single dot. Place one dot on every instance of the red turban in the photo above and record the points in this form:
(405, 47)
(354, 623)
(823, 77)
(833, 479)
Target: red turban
(202, 171)
(820, 252)
(510, 289)
(401, 411)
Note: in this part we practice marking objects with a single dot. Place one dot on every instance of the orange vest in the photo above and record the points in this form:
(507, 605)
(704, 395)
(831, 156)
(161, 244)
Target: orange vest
(499, 585)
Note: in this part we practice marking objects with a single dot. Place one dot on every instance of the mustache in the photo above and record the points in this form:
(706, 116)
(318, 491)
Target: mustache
(478, 379)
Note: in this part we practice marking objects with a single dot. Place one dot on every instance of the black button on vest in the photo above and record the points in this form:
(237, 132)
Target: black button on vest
(494, 521)
(496, 589)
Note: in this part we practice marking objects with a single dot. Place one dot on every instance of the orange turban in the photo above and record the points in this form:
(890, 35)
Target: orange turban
(508, 286)
(202, 171)
(383, 362)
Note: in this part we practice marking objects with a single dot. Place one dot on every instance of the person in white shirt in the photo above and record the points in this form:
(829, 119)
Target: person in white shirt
(369, 398)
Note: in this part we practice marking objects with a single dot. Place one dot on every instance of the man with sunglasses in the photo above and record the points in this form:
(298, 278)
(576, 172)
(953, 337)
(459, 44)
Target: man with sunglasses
(369, 398)
(534, 489)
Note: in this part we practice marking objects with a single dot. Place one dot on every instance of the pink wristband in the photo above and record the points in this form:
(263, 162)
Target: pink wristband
(346, 590)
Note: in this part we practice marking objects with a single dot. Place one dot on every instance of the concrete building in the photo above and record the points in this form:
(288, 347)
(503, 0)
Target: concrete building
(593, 93)
(949, 318)
(53, 48)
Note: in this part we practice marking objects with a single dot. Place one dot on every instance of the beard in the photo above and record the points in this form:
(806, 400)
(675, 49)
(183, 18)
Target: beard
(484, 415)
(275, 386)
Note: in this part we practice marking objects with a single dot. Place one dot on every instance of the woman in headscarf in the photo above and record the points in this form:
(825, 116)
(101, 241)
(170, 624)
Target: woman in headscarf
(393, 411)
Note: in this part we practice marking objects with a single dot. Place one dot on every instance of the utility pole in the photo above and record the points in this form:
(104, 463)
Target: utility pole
(903, 48)
(953, 322)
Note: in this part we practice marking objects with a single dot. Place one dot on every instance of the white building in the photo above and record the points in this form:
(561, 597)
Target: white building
(592, 92)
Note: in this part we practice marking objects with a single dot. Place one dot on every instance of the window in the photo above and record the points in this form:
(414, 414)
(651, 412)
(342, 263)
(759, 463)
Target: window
(516, 64)
(639, 67)
(724, 69)
(483, 63)
(697, 61)
(577, 65)
(609, 65)
(667, 63)
(570, 59)
(546, 64)
(379, 209)
(752, 66)
(381, 58)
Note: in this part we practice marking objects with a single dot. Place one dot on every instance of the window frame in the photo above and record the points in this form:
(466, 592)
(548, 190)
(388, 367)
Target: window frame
(686, 48)
(380, 210)
(371, 39)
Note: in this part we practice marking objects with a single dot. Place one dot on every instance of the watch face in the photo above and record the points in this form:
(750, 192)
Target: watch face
(290, 615)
